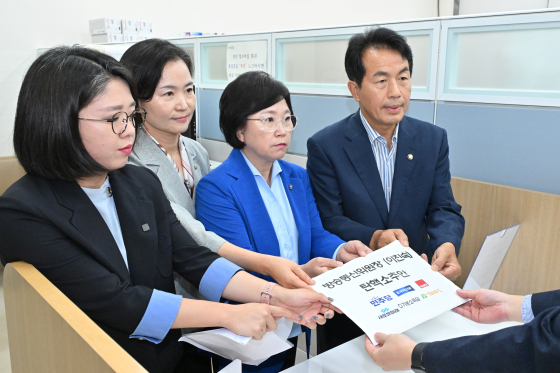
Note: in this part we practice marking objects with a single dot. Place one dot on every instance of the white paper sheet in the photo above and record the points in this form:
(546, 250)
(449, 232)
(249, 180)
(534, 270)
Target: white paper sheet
(232, 346)
(390, 290)
(490, 258)
(233, 367)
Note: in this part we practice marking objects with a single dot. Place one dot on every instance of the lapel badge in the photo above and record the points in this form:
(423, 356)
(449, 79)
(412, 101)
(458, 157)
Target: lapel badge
(192, 154)
(195, 167)
(410, 157)
(145, 227)
(290, 187)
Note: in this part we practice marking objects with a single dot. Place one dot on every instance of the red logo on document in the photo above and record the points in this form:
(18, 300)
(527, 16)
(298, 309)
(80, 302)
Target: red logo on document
(421, 283)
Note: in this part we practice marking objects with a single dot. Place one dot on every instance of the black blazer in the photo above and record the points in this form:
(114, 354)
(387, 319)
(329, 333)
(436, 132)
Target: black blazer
(350, 196)
(529, 348)
(54, 226)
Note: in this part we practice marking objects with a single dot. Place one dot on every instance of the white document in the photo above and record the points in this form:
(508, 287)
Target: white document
(233, 367)
(232, 346)
(246, 56)
(390, 290)
(490, 258)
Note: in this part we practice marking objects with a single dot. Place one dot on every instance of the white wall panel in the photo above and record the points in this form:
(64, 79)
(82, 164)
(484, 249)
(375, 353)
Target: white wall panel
(497, 6)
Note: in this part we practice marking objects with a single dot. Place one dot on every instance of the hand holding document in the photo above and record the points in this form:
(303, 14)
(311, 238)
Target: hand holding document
(232, 346)
(390, 290)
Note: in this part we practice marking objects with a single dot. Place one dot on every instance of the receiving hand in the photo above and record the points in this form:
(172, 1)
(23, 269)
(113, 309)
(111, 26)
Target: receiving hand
(352, 250)
(383, 238)
(288, 274)
(489, 306)
(314, 308)
(317, 266)
(254, 320)
(394, 351)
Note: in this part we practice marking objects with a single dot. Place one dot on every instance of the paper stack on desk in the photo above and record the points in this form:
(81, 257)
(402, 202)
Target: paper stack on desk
(390, 290)
(232, 346)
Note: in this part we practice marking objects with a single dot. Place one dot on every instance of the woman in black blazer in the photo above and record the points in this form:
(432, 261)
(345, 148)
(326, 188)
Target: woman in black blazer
(104, 233)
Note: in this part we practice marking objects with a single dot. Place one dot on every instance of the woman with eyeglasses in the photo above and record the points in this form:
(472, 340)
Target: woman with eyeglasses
(163, 74)
(261, 203)
(104, 233)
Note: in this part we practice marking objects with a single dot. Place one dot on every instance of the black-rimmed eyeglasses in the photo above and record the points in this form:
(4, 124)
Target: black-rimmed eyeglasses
(119, 121)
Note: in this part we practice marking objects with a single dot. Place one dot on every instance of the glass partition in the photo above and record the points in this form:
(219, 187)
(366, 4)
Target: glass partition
(313, 62)
(508, 62)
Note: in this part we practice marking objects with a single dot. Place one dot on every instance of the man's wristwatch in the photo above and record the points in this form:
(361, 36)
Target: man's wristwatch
(417, 365)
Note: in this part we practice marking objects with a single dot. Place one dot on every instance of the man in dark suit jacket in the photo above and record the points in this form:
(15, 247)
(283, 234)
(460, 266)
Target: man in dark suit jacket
(379, 176)
(532, 348)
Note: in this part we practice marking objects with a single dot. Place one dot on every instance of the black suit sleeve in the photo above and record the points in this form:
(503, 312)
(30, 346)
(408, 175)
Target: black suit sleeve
(530, 348)
(328, 198)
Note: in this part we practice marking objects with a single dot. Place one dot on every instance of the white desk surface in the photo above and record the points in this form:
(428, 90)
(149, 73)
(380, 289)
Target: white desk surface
(352, 356)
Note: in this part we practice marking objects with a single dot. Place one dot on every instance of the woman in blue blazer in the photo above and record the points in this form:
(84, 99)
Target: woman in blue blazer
(259, 202)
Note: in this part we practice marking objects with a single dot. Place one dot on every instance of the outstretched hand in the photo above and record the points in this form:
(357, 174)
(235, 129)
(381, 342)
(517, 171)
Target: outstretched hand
(394, 351)
(489, 306)
(352, 250)
(311, 308)
(288, 274)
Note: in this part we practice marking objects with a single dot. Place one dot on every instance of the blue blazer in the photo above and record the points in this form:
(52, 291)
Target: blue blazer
(529, 348)
(350, 196)
(228, 203)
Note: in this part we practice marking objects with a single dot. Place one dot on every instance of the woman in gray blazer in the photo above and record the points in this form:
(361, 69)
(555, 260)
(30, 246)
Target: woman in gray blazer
(163, 73)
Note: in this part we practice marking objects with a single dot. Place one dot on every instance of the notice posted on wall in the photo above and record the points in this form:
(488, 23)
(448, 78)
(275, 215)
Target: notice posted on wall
(246, 56)
(390, 290)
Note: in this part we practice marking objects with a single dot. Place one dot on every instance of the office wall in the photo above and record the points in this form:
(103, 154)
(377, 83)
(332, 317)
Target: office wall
(493, 6)
(26, 25)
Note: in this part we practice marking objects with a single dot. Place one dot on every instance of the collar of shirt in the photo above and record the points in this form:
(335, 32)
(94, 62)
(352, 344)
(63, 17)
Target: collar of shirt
(373, 135)
(98, 195)
(276, 169)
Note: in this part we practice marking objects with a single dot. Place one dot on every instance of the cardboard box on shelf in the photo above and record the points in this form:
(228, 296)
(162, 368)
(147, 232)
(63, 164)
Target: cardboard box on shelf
(107, 38)
(105, 26)
(130, 27)
(145, 28)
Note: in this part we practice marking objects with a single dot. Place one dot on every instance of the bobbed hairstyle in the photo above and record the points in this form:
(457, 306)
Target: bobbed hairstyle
(249, 93)
(146, 60)
(59, 84)
(378, 38)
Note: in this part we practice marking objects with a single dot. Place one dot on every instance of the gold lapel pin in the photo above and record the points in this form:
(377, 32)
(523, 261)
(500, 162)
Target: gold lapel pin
(410, 157)
(290, 187)
(195, 167)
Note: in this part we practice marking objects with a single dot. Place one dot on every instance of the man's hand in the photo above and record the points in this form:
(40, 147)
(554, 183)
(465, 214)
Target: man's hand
(489, 306)
(445, 261)
(352, 250)
(317, 266)
(394, 351)
(383, 238)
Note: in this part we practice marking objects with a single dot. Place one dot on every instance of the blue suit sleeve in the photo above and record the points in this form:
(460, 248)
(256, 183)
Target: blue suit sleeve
(444, 222)
(159, 316)
(323, 243)
(217, 210)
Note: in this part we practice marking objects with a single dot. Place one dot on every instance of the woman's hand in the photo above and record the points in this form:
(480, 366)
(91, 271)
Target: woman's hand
(311, 308)
(352, 250)
(253, 319)
(489, 306)
(317, 266)
(287, 273)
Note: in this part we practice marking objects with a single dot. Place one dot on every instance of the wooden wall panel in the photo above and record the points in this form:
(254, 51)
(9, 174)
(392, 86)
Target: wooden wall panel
(533, 261)
(10, 172)
(48, 333)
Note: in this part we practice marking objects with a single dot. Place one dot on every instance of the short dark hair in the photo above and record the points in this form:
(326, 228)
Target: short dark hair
(59, 84)
(146, 60)
(378, 38)
(249, 93)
